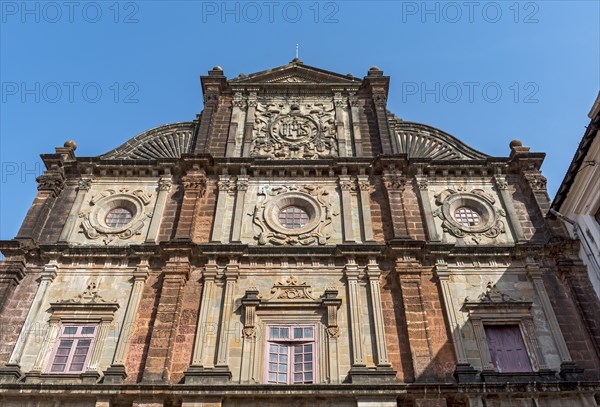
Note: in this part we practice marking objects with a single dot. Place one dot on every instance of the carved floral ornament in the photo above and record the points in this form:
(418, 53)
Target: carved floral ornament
(490, 225)
(314, 200)
(291, 289)
(94, 224)
(293, 131)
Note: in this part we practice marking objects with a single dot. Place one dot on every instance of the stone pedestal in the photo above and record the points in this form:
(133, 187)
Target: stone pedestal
(202, 375)
(366, 375)
(115, 374)
(11, 373)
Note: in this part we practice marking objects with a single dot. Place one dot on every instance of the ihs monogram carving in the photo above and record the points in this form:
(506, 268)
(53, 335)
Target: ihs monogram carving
(315, 200)
(290, 130)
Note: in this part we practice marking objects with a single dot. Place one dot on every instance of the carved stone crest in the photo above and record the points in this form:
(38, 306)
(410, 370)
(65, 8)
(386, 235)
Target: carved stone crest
(490, 224)
(314, 200)
(284, 131)
(291, 289)
(93, 222)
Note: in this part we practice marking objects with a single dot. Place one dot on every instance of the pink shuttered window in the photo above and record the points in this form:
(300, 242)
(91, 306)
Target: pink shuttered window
(507, 348)
(73, 349)
(290, 354)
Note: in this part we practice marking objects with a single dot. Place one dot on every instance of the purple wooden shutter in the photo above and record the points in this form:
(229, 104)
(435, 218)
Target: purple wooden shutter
(507, 348)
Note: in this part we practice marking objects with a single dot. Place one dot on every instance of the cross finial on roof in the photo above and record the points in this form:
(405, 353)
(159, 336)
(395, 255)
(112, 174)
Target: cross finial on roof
(297, 48)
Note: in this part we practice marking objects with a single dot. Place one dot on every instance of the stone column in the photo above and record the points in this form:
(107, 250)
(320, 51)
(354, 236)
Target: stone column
(240, 199)
(249, 373)
(484, 350)
(339, 102)
(164, 186)
(162, 340)
(12, 370)
(194, 187)
(202, 370)
(232, 272)
(374, 274)
(50, 338)
(529, 327)
(249, 125)
(395, 183)
(464, 371)
(332, 303)
(358, 150)
(346, 187)
(535, 274)
(116, 372)
(351, 271)
(92, 374)
(237, 115)
(423, 185)
(217, 233)
(83, 187)
(515, 224)
(12, 271)
(365, 205)
(416, 318)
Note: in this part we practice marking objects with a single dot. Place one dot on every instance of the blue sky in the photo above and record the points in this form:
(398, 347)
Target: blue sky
(102, 72)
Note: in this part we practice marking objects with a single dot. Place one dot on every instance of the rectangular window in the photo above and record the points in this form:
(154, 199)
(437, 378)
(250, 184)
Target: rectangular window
(507, 348)
(73, 349)
(290, 354)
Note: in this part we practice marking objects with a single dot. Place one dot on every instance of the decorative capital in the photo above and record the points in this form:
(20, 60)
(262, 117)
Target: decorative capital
(422, 184)
(164, 184)
(501, 183)
(84, 184)
(536, 180)
(194, 183)
(394, 181)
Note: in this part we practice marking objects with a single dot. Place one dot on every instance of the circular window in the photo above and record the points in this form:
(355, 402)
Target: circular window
(118, 217)
(467, 216)
(293, 217)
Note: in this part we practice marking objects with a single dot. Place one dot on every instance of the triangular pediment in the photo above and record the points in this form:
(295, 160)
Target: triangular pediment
(296, 73)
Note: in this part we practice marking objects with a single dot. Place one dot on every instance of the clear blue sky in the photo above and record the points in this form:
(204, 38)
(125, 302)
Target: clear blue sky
(447, 62)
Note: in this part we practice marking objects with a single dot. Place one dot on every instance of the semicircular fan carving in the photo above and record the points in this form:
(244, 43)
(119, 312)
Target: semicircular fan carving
(169, 141)
(422, 141)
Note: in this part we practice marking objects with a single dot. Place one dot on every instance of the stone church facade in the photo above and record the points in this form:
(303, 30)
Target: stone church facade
(296, 244)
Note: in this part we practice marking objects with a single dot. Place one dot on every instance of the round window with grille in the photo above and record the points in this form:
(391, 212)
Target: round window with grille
(293, 217)
(467, 216)
(118, 217)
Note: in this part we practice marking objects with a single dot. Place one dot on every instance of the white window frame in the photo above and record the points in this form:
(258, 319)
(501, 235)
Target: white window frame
(75, 338)
(290, 344)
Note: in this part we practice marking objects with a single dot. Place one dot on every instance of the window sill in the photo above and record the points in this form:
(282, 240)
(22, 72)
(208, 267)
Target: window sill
(519, 377)
(90, 377)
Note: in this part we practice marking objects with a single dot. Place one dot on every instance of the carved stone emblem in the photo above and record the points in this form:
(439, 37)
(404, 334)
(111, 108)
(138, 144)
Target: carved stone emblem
(490, 225)
(284, 131)
(291, 289)
(93, 222)
(314, 200)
